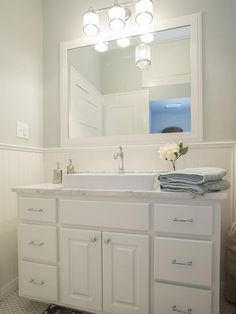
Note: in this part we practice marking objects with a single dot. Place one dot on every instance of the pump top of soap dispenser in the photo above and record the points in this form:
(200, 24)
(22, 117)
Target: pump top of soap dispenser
(70, 167)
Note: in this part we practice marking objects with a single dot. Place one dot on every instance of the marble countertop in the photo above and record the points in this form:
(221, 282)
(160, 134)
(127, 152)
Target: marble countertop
(58, 190)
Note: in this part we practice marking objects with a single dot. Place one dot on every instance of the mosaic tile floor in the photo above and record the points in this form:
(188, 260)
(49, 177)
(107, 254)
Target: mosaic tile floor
(13, 304)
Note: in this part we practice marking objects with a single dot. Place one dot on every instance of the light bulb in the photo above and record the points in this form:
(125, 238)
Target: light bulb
(144, 12)
(143, 56)
(123, 42)
(116, 18)
(147, 38)
(91, 23)
(101, 47)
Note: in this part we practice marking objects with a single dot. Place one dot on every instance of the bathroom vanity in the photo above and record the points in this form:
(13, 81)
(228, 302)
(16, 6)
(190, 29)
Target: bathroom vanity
(120, 252)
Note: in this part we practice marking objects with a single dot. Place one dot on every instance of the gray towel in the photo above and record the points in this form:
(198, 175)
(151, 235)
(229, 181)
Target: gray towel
(197, 189)
(193, 175)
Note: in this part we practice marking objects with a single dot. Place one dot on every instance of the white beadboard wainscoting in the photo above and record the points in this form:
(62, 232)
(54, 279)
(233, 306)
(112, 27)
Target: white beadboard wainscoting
(18, 166)
(145, 158)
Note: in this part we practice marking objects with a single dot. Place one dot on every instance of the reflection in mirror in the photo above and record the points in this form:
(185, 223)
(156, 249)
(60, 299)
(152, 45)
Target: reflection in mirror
(119, 92)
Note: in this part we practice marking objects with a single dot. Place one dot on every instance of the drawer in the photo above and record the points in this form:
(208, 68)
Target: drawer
(38, 209)
(38, 281)
(184, 219)
(105, 214)
(185, 261)
(38, 242)
(176, 299)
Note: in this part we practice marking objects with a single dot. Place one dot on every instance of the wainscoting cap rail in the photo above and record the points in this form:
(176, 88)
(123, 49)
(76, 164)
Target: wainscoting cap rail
(4, 146)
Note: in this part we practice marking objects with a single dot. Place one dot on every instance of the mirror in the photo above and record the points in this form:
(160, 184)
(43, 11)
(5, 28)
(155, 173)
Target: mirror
(144, 89)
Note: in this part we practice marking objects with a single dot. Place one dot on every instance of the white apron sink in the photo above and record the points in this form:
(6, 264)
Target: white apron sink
(110, 181)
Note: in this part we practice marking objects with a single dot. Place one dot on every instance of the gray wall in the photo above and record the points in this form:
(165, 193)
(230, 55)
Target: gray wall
(21, 70)
(62, 22)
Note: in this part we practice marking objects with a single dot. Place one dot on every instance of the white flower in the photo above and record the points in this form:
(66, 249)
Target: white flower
(169, 151)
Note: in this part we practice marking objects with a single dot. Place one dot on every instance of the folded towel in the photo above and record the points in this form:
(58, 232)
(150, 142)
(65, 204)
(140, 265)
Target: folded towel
(193, 175)
(197, 189)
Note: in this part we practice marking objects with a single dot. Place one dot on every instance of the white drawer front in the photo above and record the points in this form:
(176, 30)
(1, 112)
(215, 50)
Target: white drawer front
(38, 209)
(38, 242)
(105, 214)
(38, 281)
(185, 261)
(183, 219)
(176, 299)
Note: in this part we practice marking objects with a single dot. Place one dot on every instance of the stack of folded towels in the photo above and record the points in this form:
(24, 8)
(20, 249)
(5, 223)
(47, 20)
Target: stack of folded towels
(194, 180)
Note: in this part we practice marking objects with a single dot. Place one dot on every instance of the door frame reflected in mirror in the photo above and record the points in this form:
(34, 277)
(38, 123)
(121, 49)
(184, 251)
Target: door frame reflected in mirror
(196, 134)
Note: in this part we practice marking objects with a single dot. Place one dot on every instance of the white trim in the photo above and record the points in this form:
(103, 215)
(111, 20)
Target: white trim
(226, 144)
(4, 146)
(196, 135)
(8, 288)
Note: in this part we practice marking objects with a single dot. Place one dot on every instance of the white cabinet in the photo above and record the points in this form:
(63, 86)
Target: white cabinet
(184, 261)
(125, 273)
(38, 281)
(80, 254)
(178, 299)
(186, 258)
(38, 242)
(37, 248)
(120, 255)
(184, 219)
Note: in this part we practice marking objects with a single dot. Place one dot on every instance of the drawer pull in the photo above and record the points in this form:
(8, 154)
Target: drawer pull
(36, 243)
(107, 241)
(175, 262)
(175, 219)
(38, 210)
(37, 283)
(93, 239)
(176, 309)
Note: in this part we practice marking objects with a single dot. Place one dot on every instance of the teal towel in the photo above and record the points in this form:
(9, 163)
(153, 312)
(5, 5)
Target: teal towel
(193, 175)
(197, 189)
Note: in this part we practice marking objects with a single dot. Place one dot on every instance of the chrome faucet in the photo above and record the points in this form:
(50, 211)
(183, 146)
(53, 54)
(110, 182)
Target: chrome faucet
(121, 161)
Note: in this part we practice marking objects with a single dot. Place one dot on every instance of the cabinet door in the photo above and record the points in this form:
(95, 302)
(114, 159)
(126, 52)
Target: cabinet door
(80, 255)
(125, 273)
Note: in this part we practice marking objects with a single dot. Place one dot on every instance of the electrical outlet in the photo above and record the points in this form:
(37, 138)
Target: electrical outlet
(22, 130)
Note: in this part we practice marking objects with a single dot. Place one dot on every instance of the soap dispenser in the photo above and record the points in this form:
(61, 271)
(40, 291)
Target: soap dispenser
(70, 167)
(57, 175)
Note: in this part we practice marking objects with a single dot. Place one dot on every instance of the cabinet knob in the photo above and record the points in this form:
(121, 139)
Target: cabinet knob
(93, 239)
(177, 309)
(107, 241)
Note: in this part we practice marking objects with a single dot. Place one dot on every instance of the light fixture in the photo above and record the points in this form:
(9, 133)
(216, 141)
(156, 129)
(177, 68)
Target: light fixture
(147, 38)
(143, 56)
(144, 12)
(101, 47)
(91, 23)
(116, 16)
(123, 42)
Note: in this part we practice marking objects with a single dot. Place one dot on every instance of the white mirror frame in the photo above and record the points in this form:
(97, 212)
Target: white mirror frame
(196, 134)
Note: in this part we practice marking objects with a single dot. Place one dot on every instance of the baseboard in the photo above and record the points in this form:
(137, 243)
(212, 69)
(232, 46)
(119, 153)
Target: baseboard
(8, 288)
